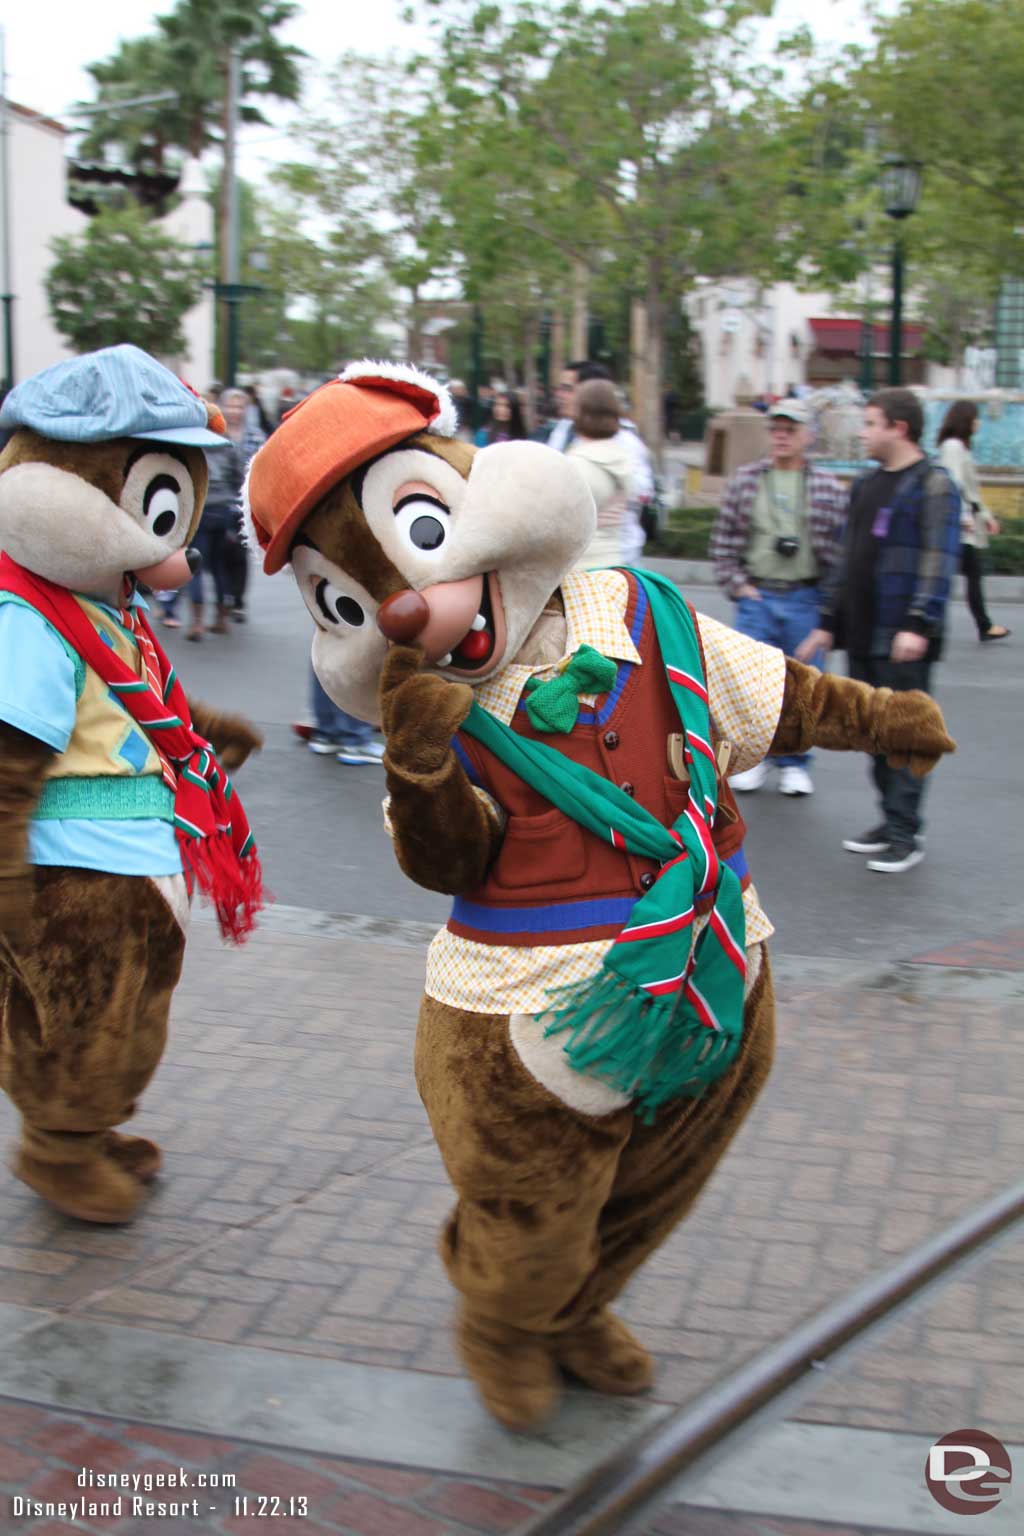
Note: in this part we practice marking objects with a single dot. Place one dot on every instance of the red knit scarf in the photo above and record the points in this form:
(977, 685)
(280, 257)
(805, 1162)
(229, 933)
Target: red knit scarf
(218, 853)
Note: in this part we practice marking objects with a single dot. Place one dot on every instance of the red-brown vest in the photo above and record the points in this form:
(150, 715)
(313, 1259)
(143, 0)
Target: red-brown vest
(554, 882)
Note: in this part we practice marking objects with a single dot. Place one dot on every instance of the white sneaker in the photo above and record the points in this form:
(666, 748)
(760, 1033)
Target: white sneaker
(795, 781)
(752, 779)
(365, 752)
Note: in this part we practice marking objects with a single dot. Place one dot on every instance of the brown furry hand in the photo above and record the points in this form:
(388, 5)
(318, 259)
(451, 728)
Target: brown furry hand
(232, 737)
(822, 710)
(420, 712)
(912, 733)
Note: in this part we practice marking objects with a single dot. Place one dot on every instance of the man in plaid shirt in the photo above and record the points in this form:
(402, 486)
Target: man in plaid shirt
(776, 538)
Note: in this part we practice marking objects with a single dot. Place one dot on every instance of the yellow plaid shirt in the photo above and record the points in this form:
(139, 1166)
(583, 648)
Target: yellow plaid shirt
(745, 686)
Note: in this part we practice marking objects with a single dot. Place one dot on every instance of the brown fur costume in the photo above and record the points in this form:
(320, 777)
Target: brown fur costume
(88, 960)
(560, 1196)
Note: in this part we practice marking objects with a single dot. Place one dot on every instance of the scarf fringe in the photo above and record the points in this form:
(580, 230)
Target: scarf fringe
(642, 1046)
(233, 886)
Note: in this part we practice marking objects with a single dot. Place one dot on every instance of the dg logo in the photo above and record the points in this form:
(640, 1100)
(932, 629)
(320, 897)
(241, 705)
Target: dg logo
(968, 1472)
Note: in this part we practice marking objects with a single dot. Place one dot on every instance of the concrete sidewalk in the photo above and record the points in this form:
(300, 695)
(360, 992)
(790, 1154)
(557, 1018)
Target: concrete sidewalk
(282, 1288)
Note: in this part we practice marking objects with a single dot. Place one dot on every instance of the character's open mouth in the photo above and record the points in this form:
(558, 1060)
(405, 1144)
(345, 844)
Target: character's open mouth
(476, 647)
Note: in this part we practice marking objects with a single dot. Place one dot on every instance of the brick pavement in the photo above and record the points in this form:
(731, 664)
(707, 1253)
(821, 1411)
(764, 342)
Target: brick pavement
(41, 1454)
(303, 1191)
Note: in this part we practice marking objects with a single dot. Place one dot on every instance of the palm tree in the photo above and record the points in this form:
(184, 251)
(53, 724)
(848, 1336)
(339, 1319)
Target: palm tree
(188, 55)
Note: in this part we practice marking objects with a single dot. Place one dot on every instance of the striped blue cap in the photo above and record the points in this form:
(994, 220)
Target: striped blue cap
(117, 392)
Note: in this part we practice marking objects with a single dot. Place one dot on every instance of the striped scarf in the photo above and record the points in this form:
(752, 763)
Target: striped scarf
(663, 1017)
(218, 853)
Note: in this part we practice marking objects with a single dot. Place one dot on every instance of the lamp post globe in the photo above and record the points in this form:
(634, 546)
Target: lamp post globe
(900, 182)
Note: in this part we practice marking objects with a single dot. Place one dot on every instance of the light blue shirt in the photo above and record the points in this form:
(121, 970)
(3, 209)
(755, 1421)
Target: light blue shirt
(39, 695)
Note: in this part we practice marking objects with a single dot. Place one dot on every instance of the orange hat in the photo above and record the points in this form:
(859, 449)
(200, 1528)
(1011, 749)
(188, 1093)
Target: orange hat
(344, 423)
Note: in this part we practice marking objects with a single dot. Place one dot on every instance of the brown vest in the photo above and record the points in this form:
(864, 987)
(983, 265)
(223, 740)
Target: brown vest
(553, 881)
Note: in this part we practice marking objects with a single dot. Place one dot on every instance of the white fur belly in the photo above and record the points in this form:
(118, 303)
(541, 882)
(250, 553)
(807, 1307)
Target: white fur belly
(175, 892)
(545, 1059)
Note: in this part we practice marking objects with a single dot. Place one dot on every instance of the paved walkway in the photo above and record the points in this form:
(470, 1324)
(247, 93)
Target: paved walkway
(282, 1289)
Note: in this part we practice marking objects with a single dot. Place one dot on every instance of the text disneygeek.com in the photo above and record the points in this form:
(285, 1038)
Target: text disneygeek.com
(180, 1495)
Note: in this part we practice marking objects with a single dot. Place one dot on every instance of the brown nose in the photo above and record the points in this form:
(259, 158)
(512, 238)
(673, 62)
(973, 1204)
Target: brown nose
(403, 616)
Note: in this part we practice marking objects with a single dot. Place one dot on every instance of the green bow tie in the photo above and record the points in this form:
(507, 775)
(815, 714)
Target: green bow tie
(554, 706)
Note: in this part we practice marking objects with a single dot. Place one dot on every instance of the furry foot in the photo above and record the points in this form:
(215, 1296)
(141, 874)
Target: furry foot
(95, 1190)
(135, 1154)
(604, 1354)
(513, 1372)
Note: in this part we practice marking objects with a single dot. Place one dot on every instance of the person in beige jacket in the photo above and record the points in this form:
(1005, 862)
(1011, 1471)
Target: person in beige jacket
(607, 466)
(977, 522)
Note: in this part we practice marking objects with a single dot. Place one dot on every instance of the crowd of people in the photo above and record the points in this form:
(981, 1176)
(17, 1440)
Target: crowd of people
(812, 567)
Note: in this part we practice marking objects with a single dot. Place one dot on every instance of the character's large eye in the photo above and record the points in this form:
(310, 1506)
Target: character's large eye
(337, 607)
(159, 493)
(423, 521)
(161, 504)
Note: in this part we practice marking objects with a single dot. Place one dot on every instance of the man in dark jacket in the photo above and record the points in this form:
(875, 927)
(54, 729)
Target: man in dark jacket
(886, 602)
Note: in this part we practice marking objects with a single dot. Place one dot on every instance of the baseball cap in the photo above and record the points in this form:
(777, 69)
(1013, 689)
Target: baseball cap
(115, 392)
(792, 410)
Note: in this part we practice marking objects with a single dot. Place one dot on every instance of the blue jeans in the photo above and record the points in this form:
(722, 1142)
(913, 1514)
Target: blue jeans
(346, 730)
(781, 619)
(210, 540)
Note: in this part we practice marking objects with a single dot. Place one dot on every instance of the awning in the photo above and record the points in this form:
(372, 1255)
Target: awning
(843, 337)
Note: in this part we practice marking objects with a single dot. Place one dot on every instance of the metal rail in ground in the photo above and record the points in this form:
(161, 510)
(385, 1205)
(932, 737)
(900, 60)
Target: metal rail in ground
(620, 1491)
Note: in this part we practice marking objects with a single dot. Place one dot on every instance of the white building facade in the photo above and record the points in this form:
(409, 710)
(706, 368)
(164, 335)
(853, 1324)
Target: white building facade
(769, 340)
(38, 211)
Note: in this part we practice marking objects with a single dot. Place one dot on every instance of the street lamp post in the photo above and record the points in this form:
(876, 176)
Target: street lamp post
(901, 186)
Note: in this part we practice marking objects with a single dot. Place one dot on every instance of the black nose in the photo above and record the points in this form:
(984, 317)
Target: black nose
(194, 558)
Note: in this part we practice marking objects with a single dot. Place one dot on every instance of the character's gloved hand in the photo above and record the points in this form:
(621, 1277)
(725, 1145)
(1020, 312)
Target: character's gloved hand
(420, 712)
(910, 731)
(820, 710)
(237, 742)
(232, 737)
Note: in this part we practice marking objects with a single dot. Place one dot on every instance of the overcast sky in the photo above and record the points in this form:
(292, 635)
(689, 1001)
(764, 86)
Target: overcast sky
(48, 45)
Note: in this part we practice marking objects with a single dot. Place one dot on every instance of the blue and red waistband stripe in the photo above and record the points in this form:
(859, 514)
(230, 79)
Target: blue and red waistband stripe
(558, 917)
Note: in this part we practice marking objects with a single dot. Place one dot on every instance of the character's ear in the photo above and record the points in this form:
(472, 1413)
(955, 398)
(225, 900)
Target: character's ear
(214, 420)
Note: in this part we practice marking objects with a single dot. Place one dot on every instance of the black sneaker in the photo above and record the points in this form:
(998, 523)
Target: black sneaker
(875, 841)
(897, 858)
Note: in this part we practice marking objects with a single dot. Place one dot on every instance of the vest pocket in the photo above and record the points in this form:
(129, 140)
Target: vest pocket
(677, 792)
(540, 852)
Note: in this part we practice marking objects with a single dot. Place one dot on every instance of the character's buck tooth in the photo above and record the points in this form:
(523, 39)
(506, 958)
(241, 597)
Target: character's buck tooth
(445, 660)
(479, 622)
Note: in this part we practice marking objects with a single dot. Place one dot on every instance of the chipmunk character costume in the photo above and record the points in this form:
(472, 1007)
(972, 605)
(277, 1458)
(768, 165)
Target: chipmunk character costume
(598, 1015)
(112, 805)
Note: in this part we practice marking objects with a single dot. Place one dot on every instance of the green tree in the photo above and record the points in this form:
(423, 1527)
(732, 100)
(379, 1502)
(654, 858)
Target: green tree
(187, 55)
(639, 135)
(943, 81)
(939, 82)
(123, 280)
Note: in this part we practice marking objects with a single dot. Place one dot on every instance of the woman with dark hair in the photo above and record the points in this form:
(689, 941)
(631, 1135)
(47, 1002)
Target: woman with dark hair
(506, 421)
(976, 521)
(598, 450)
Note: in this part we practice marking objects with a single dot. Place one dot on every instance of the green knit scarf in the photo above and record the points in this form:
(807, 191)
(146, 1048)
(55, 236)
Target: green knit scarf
(663, 1018)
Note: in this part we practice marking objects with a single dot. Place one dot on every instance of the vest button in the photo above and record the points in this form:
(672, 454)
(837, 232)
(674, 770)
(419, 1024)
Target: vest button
(646, 881)
(611, 740)
(628, 788)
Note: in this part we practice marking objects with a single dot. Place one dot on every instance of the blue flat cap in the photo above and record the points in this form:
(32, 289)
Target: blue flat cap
(117, 392)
